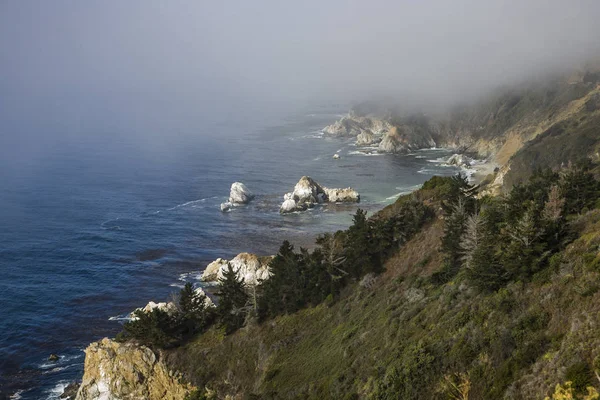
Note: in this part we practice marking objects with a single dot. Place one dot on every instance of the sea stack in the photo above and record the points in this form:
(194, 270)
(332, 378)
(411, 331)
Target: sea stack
(239, 194)
(308, 193)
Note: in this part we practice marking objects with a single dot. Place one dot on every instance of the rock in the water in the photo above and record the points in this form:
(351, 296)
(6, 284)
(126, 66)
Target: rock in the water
(354, 125)
(347, 195)
(211, 271)
(239, 194)
(250, 267)
(336, 156)
(70, 391)
(53, 357)
(288, 206)
(127, 371)
(308, 193)
(459, 160)
(226, 206)
(170, 308)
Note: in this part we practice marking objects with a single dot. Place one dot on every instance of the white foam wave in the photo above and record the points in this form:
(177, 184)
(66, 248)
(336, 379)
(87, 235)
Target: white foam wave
(121, 317)
(57, 390)
(362, 153)
(62, 360)
(436, 160)
(16, 395)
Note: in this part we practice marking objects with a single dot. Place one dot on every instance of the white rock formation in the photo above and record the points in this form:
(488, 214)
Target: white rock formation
(238, 194)
(170, 308)
(250, 267)
(459, 160)
(347, 195)
(336, 156)
(308, 193)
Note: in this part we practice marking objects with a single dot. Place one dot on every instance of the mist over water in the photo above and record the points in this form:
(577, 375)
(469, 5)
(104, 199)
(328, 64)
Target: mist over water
(123, 124)
(97, 228)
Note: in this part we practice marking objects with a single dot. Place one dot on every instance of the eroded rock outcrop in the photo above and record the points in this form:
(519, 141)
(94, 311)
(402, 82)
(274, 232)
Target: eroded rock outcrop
(250, 267)
(308, 193)
(239, 194)
(129, 372)
(368, 130)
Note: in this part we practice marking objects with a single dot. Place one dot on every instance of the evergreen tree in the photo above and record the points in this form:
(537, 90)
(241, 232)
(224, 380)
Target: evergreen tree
(579, 187)
(155, 329)
(358, 248)
(233, 300)
(194, 313)
(282, 292)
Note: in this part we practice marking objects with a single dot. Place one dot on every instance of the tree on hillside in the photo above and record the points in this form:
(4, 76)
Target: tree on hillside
(194, 312)
(283, 291)
(233, 300)
(358, 248)
(579, 187)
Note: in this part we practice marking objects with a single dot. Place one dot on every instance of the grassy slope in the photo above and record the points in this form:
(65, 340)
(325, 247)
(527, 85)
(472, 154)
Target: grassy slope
(403, 337)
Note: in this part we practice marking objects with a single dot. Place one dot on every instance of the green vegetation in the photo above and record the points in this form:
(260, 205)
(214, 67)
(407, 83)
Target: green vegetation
(517, 315)
(163, 329)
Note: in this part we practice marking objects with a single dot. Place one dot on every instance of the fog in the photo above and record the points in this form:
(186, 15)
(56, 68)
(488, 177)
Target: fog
(163, 63)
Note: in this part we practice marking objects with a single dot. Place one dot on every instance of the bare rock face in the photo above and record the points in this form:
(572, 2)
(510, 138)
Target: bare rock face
(129, 372)
(459, 160)
(250, 267)
(367, 138)
(392, 143)
(367, 130)
(308, 193)
(347, 195)
(238, 194)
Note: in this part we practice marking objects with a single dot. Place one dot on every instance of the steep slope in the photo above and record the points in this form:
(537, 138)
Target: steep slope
(403, 335)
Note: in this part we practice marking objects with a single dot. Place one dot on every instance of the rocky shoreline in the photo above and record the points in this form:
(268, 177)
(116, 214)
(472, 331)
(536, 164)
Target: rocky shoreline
(109, 366)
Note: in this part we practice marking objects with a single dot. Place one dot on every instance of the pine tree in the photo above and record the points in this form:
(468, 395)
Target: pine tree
(358, 248)
(194, 313)
(454, 228)
(233, 300)
(282, 292)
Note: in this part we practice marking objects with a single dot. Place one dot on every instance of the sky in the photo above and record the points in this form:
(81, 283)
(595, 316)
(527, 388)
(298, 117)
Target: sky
(109, 62)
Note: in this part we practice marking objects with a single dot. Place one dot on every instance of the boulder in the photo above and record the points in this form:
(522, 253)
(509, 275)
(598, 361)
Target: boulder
(239, 194)
(288, 206)
(347, 195)
(211, 271)
(53, 357)
(336, 156)
(226, 206)
(459, 160)
(115, 370)
(170, 308)
(308, 193)
(250, 267)
(70, 391)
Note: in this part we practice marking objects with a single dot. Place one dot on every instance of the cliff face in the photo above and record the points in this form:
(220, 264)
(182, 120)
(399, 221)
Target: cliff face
(513, 129)
(127, 371)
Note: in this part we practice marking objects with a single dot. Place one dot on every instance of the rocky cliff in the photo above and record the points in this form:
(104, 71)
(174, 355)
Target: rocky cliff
(126, 371)
(512, 129)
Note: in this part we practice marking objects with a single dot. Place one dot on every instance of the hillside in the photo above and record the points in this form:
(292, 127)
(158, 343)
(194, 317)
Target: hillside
(407, 334)
(452, 292)
(544, 123)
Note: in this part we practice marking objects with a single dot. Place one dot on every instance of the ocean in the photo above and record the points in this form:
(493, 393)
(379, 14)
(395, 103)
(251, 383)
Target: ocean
(98, 225)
